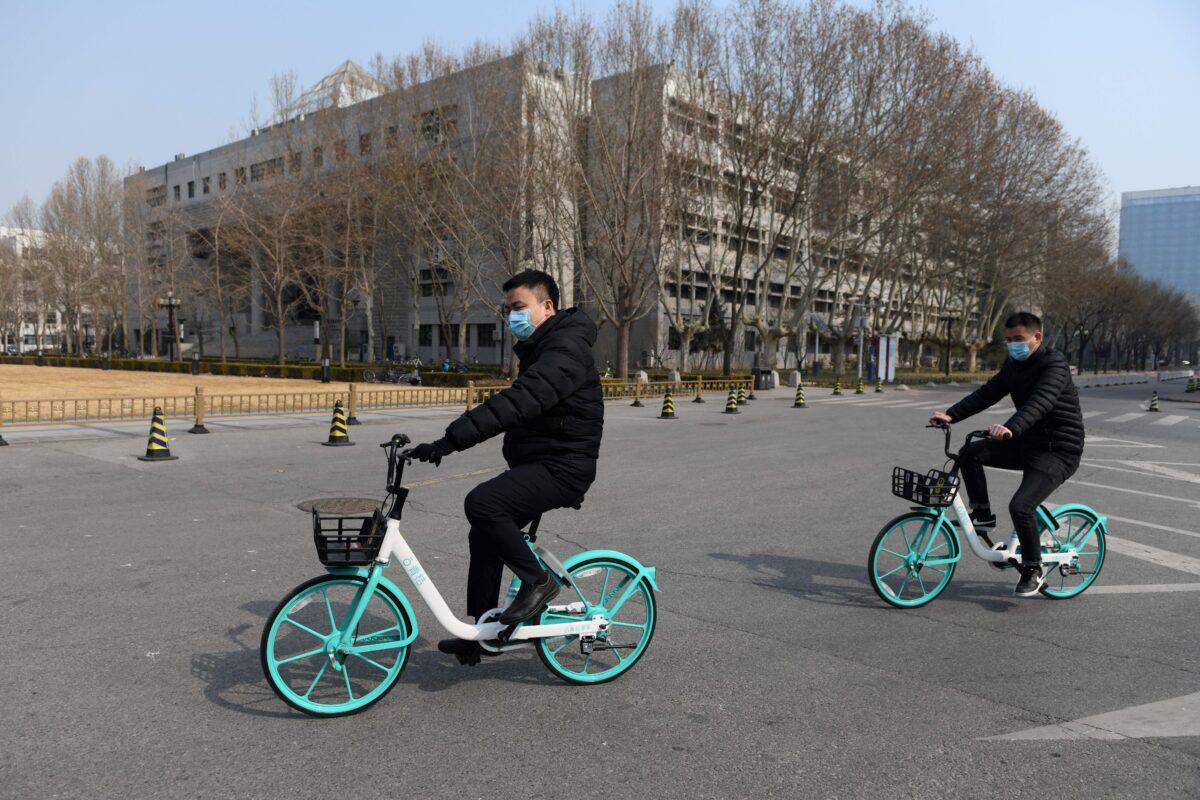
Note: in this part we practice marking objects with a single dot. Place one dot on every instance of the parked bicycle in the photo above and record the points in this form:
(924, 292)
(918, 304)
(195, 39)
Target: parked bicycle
(393, 373)
(913, 558)
(339, 642)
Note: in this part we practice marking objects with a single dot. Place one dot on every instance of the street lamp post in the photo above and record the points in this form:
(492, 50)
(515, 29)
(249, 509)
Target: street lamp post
(949, 321)
(170, 303)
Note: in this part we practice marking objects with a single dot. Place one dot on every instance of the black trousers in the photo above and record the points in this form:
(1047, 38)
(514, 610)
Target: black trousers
(497, 510)
(1043, 470)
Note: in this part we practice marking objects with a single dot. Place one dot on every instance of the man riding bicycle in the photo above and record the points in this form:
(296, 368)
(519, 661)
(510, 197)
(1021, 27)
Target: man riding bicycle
(552, 418)
(1043, 438)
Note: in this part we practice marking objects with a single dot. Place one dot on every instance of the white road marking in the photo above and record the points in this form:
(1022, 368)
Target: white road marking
(1158, 472)
(1179, 716)
(1090, 414)
(1155, 526)
(1126, 417)
(1145, 588)
(1162, 558)
(1190, 501)
(1093, 440)
(1167, 472)
(1170, 419)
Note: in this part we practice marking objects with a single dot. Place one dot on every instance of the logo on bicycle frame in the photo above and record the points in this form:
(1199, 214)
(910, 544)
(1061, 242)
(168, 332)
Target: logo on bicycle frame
(414, 570)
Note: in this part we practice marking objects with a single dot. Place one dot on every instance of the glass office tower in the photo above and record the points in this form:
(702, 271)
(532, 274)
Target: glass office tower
(1160, 236)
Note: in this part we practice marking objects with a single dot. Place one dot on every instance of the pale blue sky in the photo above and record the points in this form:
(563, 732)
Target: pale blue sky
(141, 81)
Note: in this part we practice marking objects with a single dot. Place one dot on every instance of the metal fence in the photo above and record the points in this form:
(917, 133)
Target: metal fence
(201, 405)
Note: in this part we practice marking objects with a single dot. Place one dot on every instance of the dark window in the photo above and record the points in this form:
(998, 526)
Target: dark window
(206, 185)
(176, 187)
(239, 176)
(191, 189)
(221, 181)
(297, 162)
(392, 138)
(364, 144)
(485, 335)
(751, 341)
(339, 150)
(318, 157)
(425, 336)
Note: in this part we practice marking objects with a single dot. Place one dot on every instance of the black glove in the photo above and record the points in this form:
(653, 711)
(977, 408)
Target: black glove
(432, 451)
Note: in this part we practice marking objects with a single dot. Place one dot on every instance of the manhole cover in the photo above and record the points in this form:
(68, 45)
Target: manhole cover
(340, 505)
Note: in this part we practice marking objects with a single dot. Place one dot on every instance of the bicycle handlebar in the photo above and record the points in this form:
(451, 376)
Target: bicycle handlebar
(945, 428)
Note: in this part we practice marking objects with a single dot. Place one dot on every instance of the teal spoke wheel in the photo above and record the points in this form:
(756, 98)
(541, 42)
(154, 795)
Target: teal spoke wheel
(602, 582)
(911, 561)
(1078, 529)
(302, 659)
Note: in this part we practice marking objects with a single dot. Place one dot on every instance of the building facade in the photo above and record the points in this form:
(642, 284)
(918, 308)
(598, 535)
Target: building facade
(1160, 236)
(31, 323)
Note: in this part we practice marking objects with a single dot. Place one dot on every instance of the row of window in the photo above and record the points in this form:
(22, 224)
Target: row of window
(478, 334)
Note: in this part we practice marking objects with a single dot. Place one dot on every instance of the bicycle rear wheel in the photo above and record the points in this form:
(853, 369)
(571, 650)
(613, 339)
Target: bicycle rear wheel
(1078, 529)
(602, 582)
(296, 641)
(902, 572)
(368, 376)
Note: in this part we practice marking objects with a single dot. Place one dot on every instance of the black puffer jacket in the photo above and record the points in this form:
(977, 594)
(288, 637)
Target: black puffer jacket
(1047, 418)
(555, 407)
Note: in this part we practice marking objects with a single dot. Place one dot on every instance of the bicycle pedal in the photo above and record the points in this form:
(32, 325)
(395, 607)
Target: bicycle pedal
(507, 633)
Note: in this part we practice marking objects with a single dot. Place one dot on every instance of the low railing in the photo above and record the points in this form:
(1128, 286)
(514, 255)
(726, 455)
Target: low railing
(202, 405)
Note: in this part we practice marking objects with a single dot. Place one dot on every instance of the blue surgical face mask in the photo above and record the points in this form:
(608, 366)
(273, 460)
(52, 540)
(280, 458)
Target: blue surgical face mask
(1019, 351)
(519, 324)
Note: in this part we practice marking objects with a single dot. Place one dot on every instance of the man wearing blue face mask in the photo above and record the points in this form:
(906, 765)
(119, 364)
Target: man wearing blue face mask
(1043, 438)
(552, 418)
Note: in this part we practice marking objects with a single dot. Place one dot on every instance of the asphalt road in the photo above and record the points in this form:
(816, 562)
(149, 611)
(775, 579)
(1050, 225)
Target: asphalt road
(134, 595)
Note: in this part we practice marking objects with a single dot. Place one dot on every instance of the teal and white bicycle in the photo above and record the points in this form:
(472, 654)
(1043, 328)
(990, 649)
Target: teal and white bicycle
(913, 558)
(339, 642)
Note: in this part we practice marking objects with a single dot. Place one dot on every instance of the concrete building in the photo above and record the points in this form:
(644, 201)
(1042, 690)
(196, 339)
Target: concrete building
(1160, 236)
(37, 326)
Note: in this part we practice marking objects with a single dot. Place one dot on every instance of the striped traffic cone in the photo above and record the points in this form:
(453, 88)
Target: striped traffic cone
(859, 389)
(837, 387)
(157, 448)
(338, 437)
(731, 403)
(668, 409)
(699, 384)
(1153, 401)
(741, 396)
(879, 386)
(799, 403)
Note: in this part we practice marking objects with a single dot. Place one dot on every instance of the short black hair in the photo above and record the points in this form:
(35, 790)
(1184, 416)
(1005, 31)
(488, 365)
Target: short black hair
(534, 279)
(1023, 319)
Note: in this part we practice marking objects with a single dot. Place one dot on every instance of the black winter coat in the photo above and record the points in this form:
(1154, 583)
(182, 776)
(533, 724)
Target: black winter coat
(555, 407)
(1047, 418)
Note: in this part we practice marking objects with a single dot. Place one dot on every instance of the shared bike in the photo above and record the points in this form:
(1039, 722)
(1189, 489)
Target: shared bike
(336, 644)
(913, 558)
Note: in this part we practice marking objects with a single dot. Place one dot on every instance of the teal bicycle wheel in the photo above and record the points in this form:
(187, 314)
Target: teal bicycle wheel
(602, 582)
(1078, 530)
(901, 571)
(295, 642)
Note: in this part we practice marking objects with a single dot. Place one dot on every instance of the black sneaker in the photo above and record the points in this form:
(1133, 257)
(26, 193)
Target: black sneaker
(984, 522)
(467, 651)
(530, 600)
(1031, 580)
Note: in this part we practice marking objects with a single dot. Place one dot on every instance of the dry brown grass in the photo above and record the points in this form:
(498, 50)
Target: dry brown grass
(21, 382)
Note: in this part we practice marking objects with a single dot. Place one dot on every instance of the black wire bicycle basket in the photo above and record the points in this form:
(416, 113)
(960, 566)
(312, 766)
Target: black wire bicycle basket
(348, 541)
(935, 488)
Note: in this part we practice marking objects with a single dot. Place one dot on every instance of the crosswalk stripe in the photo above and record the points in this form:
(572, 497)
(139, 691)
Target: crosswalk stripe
(1127, 417)
(1171, 419)
(1090, 414)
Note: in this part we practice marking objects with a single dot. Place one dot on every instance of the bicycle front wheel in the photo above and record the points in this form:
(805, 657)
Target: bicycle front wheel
(297, 638)
(611, 588)
(368, 376)
(906, 569)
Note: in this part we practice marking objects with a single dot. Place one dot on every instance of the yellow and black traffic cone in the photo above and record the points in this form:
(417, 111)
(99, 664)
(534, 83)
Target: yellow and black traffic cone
(879, 386)
(157, 448)
(741, 396)
(799, 403)
(837, 387)
(668, 409)
(338, 437)
(731, 404)
(1154, 401)
(859, 389)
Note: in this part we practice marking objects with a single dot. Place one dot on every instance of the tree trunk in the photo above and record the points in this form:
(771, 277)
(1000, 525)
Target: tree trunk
(838, 356)
(279, 357)
(727, 351)
(685, 347)
(623, 334)
(972, 357)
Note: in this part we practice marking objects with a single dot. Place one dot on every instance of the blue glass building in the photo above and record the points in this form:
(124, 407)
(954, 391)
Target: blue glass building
(1160, 236)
